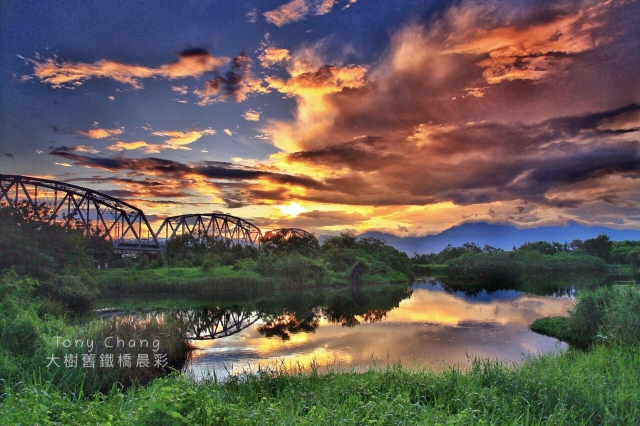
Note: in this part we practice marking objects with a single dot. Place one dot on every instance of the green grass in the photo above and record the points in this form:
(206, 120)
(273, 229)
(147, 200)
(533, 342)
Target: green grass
(599, 387)
(560, 328)
(595, 387)
(431, 270)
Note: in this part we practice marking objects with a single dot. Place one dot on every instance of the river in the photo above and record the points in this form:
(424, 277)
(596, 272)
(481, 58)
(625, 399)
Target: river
(430, 327)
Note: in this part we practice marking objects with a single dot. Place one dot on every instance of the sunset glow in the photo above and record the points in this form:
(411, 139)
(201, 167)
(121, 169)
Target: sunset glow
(429, 115)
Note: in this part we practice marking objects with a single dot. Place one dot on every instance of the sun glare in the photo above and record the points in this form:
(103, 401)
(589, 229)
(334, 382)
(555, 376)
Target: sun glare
(293, 209)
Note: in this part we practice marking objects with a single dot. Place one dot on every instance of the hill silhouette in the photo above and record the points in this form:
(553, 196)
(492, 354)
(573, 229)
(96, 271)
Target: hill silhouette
(499, 236)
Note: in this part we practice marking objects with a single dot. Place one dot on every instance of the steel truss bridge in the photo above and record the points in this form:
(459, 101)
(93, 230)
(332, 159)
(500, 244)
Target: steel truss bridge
(122, 223)
(229, 229)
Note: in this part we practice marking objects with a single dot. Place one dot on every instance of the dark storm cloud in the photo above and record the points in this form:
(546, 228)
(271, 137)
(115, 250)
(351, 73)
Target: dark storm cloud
(234, 85)
(484, 162)
(365, 154)
(218, 172)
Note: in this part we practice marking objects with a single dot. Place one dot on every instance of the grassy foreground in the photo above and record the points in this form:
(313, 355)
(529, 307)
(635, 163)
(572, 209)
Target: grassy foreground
(600, 386)
(597, 387)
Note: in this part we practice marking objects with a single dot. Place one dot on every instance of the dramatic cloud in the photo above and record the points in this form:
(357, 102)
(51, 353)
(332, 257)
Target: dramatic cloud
(236, 184)
(530, 51)
(524, 113)
(555, 163)
(310, 84)
(316, 219)
(190, 63)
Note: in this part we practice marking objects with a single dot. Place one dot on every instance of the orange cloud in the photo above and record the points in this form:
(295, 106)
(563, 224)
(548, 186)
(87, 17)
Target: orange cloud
(252, 115)
(101, 133)
(298, 10)
(324, 80)
(311, 84)
(290, 12)
(58, 74)
(273, 55)
(178, 140)
(127, 146)
(527, 52)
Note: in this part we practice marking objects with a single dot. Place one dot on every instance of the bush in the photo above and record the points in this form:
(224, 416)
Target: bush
(73, 292)
(604, 315)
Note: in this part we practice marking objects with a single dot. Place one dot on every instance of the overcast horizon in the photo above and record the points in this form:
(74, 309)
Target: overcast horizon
(332, 115)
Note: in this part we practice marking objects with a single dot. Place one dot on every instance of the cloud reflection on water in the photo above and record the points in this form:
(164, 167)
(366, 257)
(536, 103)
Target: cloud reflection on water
(432, 328)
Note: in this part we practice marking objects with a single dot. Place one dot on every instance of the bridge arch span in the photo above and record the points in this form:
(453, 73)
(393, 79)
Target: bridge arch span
(229, 229)
(124, 224)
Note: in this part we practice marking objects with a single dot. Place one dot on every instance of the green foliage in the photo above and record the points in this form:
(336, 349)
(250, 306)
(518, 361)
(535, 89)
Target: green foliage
(75, 293)
(626, 252)
(609, 315)
(560, 328)
(39, 248)
(280, 243)
(545, 247)
(293, 269)
(450, 253)
(621, 325)
(186, 250)
(524, 260)
(600, 247)
(599, 387)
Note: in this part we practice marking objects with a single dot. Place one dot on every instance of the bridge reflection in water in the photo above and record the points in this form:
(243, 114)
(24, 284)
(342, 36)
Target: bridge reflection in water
(208, 324)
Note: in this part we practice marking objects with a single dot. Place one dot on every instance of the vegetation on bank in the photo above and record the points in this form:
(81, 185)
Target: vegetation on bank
(598, 387)
(604, 315)
(39, 309)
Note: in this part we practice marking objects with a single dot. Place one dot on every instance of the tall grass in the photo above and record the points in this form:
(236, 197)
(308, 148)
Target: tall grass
(599, 387)
(604, 315)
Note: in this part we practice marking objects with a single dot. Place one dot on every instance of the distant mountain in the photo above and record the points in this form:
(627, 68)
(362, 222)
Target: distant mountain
(499, 236)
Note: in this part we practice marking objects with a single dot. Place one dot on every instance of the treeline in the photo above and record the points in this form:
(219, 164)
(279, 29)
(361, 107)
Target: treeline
(60, 258)
(297, 260)
(627, 252)
(590, 255)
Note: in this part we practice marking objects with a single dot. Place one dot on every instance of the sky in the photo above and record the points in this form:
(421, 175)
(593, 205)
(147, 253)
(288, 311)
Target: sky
(406, 117)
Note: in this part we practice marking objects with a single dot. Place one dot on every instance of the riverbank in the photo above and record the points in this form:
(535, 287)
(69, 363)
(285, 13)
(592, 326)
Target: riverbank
(596, 387)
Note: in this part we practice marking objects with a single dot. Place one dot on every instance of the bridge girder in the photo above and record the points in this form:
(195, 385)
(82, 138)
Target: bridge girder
(229, 229)
(124, 224)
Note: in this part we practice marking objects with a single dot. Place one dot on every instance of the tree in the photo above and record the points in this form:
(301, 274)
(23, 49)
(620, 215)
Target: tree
(600, 246)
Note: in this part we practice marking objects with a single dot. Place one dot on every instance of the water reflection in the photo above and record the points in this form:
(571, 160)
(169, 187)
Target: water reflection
(206, 324)
(286, 324)
(433, 324)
